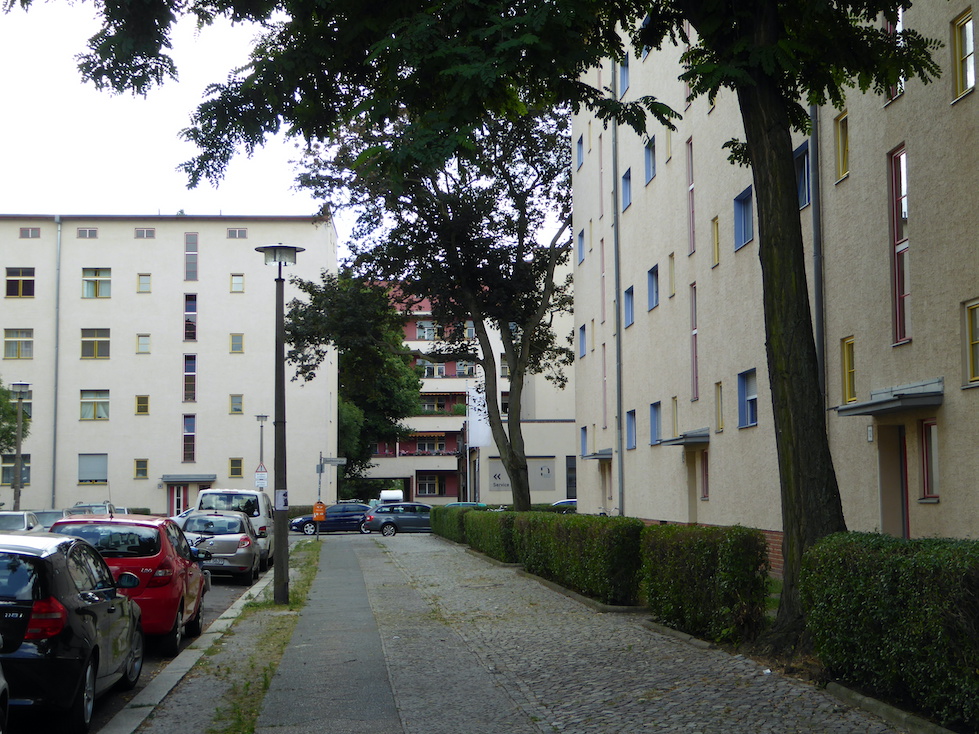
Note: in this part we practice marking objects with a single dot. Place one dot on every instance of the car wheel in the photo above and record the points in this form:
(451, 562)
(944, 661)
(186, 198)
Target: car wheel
(263, 564)
(309, 528)
(196, 625)
(79, 716)
(172, 639)
(255, 572)
(363, 528)
(244, 578)
(388, 529)
(134, 665)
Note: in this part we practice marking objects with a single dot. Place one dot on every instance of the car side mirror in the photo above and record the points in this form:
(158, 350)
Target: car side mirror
(199, 554)
(262, 534)
(127, 580)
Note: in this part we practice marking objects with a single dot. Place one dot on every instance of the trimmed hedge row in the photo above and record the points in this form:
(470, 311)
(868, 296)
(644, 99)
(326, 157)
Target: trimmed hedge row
(899, 618)
(711, 582)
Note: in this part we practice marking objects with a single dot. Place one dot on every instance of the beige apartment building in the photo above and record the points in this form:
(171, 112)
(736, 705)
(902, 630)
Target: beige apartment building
(148, 343)
(672, 401)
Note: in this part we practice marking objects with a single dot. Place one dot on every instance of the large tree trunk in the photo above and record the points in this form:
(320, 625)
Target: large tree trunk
(811, 506)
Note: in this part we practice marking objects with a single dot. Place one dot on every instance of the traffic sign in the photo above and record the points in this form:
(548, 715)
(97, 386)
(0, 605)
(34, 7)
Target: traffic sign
(342, 461)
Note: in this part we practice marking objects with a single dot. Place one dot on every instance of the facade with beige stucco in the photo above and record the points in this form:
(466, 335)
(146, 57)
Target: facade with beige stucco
(672, 402)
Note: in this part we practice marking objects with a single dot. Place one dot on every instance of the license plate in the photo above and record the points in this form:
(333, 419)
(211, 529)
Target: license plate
(217, 561)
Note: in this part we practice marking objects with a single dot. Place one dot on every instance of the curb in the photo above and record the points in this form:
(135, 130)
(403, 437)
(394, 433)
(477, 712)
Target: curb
(130, 718)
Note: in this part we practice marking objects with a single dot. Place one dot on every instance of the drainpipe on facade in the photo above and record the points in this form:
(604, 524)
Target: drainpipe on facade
(815, 179)
(617, 289)
(57, 363)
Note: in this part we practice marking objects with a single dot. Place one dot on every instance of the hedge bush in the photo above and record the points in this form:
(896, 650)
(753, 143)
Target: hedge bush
(711, 582)
(899, 618)
(448, 522)
(492, 533)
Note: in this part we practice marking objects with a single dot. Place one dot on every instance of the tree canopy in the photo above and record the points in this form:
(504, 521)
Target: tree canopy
(8, 421)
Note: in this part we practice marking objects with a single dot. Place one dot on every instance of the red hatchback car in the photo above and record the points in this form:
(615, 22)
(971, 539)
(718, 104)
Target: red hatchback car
(171, 582)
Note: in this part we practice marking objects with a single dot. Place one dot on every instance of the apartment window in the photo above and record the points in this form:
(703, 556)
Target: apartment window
(470, 329)
(655, 420)
(581, 246)
(747, 399)
(847, 370)
(582, 344)
(143, 283)
(237, 343)
(649, 156)
(896, 27)
(237, 233)
(504, 367)
(7, 471)
(841, 128)
(715, 242)
(465, 369)
(93, 468)
(88, 233)
(142, 405)
(145, 233)
(190, 438)
(141, 468)
(629, 306)
(672, 263)
(236, 404)
(704, 476)
(964, 53)
(94, 405)
(236, 467)
(899, 236)
(972, 337)
(96, 282)
(626, 189)
(652, 287)
(190, 255)
(427, 331)
(691, 217)
(26, 404)
(579, 151)
(675, 406)
(719, 406)
(18, 343)
(694, 365)
(431, 445)
(30, 233)
(433, 403)
(142, 344)
(929, 458)
(624, 75)
(630, 429)
(802, 184)
(190, 378)
(190, 317)
(743, 219)
(237, 283)
(95, 343)
(583, 439)
(20, 283)
(431, 369)
(669, 143)
(428, 484)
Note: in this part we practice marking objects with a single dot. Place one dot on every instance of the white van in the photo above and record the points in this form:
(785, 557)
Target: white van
(253, 503)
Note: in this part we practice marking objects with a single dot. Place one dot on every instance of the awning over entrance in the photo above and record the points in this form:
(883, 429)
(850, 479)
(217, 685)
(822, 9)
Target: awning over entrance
(700, 437)
(188, 478)
(926, 394)
(603, 455)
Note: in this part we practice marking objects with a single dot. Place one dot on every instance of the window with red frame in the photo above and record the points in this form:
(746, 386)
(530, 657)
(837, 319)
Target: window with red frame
(900, 245)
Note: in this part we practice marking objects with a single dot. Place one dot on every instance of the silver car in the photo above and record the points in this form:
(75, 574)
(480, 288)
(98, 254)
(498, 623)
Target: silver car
(229, 538)
(399, 517)
(26, 521)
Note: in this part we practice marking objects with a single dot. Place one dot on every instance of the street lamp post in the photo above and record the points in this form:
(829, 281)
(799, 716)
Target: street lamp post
(280, 255)
(261, 437)
(20, 390)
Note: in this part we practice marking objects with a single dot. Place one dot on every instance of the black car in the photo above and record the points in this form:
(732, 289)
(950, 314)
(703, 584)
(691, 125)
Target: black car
(68, 635)
(342, 516)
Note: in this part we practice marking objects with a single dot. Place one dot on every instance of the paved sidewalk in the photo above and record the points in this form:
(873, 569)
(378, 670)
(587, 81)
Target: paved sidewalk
(416, 635)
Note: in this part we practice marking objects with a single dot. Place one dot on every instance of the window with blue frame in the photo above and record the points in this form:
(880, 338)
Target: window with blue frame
(802, 183)
(630, 429)
(581, 246)
(652, 287)
(579, 151)
(650, 158)
(747, 399)
(743, 219)
(581, 340)
(583, 434)
(629, 306)
(655, 416)
(626, 189)
(624, 75)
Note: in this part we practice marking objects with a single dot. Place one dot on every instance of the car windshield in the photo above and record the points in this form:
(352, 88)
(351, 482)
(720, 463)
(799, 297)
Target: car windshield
(115, 540)
(213, 525)
(230, 501)
(18, 575)
(12, 522)
(49, 516)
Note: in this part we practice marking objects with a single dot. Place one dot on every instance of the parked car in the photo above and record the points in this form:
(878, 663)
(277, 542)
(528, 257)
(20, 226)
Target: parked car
(24, 520)
(566, 506)
(171, 582)
(255, 504)
(69, 632)
(399, 517)
(230, 540)
(91, 508)
(339, 517)
(49, 517)
(465, 504)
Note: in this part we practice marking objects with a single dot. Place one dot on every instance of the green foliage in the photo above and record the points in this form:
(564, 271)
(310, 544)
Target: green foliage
(448, 522)
(708, 581)
(492, 533)
(899, 618)
(8, 421)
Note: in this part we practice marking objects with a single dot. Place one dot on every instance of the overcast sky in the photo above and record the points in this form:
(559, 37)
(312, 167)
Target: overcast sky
(70, 149)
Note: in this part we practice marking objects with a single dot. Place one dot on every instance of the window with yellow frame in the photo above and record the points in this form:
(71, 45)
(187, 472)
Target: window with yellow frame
(237, 343)
(964, 53)
(141, 468)
(848, 370)
(972, 339)
(715, 240)
(841, 128)
(142, 405)
(236, 467)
